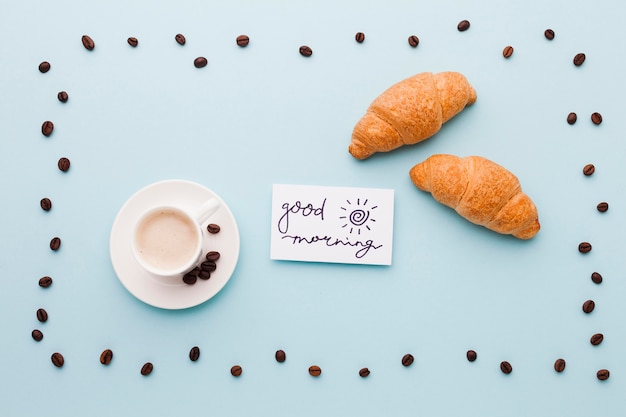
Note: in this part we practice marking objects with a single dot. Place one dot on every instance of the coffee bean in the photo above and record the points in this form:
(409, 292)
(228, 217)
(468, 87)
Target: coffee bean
(212, 256)
(315, 370)
(45, 282)
(200, 62)
(549, 34)
(42, 315)
(588, 306)
(471, 355)
(57, 359)
(44, 67)
(596, 339)
(407, 360)
(506, 367)
(571, 118)
(208, 266)
(364, 372)
(55, 243)
(280, 356)
(180, 39)
(602, 206)
(213, 228)
(603, 374)
(37, 335)
(106, 356)
(559, 365)
(45, 204)
(236, 370)
(306, 51)
(88, 43)
(359, 37)
(596, 277)
(147, 369)
(243, 40)
(584, 247)
(63, 96)
(132, 41)
(47, 128)
(195, 271)
(190, 279)
(507, 51)
(204, 275)
(194, 353)
(413, 41)
(64, 164)
(589, 169)
(596, 118)
(463, 25)
(579, 59)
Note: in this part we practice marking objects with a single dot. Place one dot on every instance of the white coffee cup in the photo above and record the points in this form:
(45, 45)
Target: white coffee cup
(167, 240)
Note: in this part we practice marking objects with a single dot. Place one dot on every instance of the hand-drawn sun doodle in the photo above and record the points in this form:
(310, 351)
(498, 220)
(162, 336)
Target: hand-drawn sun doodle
(358, 217)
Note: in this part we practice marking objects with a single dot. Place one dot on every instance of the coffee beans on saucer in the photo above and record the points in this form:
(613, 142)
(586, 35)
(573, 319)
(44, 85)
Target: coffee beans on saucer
(213, 228)
(190, 278)
(212, 256)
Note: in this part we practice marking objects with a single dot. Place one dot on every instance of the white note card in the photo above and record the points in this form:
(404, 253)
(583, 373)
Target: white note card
(332, 224)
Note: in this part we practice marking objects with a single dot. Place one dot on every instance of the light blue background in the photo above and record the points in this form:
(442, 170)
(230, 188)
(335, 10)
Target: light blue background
(262, 115)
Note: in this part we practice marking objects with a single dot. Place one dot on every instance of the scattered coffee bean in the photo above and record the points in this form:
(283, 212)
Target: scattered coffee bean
(44, 67)
(588, 306)
(579, 59)
(47, 128)
(506, 367)
(306, 51)
(57, 359)
(200, 62)
(602, 206)
(315, 370)
(106, 356)
(212, 256)
(603, 374)
(596, 339)
(55, 243)
(596, 277)
(407, 360)
(45, 282)
(243, 40)
(37, 335)
(463, 25)
(571, 118)
(413, 41)
(364, 372)
(559, 365)
(45, 204)
(471, 355)
(62, 96)
(549, 34)
(180, 39)
(596, 118)
(208, 266)
(64, 164)
(236, 370)
(190, 279)
(280, 356)
(147, 369)
(507, 51)
(584, 247)
(194, 353)
(42, 315)
(132, 41)
(204, 275)
(359, 37)
(589, 169)
(213, 228)
(88, 43)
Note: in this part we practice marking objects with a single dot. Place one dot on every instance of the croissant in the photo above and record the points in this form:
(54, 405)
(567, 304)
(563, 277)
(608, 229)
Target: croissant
(410, 111)
(481, 191)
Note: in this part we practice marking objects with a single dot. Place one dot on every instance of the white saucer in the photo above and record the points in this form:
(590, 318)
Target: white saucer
(149, 288)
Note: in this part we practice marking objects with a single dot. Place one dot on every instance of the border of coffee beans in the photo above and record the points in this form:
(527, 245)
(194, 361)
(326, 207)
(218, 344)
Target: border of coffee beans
(106, 357)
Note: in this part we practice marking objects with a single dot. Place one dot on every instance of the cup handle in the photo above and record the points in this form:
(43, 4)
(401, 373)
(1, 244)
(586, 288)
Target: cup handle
(207, 210)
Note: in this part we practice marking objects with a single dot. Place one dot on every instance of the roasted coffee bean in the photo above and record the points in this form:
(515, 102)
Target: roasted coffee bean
(359, 37)
(204, 275)
(584, 247)
(195, 271)
(212, 256)
(45, 282)
(45, 204)
(194, 353)
(315, 370)
(579, 59)
(413, 41)
(200, 62)
(589, 169)
(57, 359)
(559, 365)
(236, 370)
(47, 128)
(588, 306)
(64, 164)
(280, 355)
(208, 266)
(463, 25)
(603, 374)
(55, 243)
(364, 372)
(147, 368)
(306, 51)
(132, 41)
(596, 339)
(549, 34)
(37, 335)
(471, 355)
(507, 51)
(106, 356)
(190, 279)
(62, 96)
(571, 118)
(88, 43)
(506, 367)
(213, 228)
(180, 39)
(596, 277)
(243, 40)
(407, 360)
(596, 118)
(602, 206)
(42, 315)
(44, 67)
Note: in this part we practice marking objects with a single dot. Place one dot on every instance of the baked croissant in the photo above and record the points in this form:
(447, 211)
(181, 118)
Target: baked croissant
(410, 111)
(481, 191)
